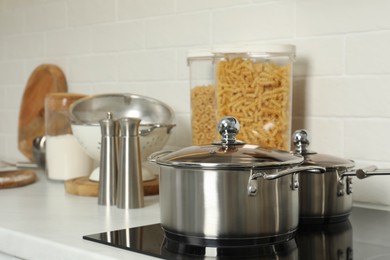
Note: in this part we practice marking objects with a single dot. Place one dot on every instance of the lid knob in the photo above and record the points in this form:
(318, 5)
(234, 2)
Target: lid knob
(301, 141)
(228, 127)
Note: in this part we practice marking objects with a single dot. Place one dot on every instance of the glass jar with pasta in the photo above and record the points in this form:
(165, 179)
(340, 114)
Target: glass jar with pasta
(254, 84)
(202, 84)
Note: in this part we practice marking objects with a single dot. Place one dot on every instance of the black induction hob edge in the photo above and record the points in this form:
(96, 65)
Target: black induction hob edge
(151, 240)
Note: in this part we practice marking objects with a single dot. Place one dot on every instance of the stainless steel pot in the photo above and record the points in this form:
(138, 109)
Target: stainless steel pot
(327, 197)
(229, 191)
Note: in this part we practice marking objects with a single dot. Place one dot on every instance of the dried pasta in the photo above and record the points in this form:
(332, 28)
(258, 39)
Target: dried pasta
(258, 95)
(203, 115)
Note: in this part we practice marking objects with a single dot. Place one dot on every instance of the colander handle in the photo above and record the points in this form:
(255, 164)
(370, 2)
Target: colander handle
(147, 131)
(154, 156)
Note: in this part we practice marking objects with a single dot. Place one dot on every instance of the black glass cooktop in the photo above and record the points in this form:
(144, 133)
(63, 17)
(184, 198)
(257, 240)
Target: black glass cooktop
(331, 240)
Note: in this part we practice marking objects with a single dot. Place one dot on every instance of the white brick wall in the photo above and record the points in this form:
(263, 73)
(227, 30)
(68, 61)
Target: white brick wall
(84, 12)
(55, 16)
(128, 10)
(342, 71)
(254, 22)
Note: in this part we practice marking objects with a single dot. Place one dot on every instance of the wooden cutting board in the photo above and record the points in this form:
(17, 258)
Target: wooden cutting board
(14, 179)
(45, 79)
(82, 186)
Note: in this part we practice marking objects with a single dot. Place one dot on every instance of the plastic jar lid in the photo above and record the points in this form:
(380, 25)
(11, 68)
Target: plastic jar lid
(265, 49)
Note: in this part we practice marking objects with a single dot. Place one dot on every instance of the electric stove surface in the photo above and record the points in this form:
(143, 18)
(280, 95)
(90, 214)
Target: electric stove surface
(331, 240)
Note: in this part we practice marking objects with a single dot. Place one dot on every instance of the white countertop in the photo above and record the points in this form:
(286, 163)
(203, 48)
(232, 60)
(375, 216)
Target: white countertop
(42, 221)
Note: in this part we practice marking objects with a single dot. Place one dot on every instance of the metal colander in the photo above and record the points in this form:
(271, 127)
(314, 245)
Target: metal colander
(155, 128)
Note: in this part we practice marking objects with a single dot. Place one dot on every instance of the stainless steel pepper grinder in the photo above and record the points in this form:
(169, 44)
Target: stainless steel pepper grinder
(130, 193)
(108, 162)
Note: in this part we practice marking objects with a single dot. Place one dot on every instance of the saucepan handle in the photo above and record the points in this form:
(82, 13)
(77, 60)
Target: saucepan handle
(273, 176)
(252, 186)
(365, 172)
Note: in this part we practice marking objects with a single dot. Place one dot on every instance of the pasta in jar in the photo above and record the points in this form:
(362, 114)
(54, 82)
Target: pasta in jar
(255, 86)
(203, 118)
(203, 113)
(258, 93)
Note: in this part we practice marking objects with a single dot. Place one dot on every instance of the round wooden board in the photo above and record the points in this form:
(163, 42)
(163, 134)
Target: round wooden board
(82, 186)
(45, 79)
(14, 179)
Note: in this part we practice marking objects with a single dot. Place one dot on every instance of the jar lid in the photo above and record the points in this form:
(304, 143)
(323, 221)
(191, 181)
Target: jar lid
(281, 49)
(301, 142)
(229, 153)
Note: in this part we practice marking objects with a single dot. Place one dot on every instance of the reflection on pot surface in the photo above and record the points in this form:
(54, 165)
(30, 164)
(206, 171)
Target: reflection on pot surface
(282, 251)
(323, 242)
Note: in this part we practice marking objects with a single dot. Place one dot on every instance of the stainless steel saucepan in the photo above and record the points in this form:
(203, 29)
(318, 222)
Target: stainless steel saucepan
(327, 197)
(229, 191)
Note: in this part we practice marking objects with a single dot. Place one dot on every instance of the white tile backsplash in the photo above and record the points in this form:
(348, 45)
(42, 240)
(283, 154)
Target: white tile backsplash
(21, 4)
(93, 68)
(68, 42)
(134, 9)
(366, 96)
(180, 30)
(83, 12)
(255, 22)
(11, 22)
(130, 36)
(46, 16)
(145, 66)
(2, 48)
(118, 37)
(319, 97)
(341, 77)
(339, 17)
(11, 97)
(11, 72)
(190, 5)
(176, 94)
(367, 139)
(320, 56)
(25, 46)
(104, 38)
(325, 134)
(368, 53)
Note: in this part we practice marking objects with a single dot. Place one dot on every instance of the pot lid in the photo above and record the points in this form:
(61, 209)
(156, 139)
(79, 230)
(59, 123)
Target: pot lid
(301, 143)
(228, 153)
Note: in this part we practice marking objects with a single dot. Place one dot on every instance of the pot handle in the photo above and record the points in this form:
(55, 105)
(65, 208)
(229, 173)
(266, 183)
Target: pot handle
(313, 169)
(154, 156)
(252, 187)
(365, 172)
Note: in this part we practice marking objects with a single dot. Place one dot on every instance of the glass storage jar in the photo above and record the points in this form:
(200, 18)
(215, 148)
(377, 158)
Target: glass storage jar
(254, 84)
(202, 86)
(65, 158)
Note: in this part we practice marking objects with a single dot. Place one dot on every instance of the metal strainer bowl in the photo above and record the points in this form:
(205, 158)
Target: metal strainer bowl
(155, 128)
